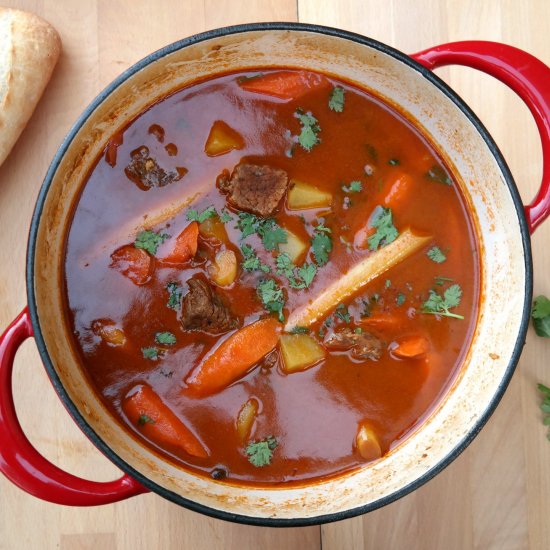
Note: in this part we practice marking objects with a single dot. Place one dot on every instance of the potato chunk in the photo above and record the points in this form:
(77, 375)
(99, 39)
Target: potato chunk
(213, 229)
(224, 269)
(303, 195)
(246, 418)
(367, 443)
(300, 351)
(222, 139)
(294, 247)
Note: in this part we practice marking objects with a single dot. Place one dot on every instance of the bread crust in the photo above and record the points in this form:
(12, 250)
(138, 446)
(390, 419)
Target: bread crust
(29, 50)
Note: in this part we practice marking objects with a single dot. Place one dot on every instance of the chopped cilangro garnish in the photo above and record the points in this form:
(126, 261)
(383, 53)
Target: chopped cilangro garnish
(151, 353)
(144, 419)
(386, 232)
(545, 405)
(393, 162)
(150, 241)
(309, 136)
(299, 330)
(440, 305)
(165, 338)
(354, 187)
(225, 217)
(175, 293)
(272, 297)
(400, 300)
(271, 233)
(343, 313)
(321, 244)
(436, 255)
(260, 452)
(337, 99)
(195, 216)
(298, 277)
(436, 173)
(251, 261)
(541, 316)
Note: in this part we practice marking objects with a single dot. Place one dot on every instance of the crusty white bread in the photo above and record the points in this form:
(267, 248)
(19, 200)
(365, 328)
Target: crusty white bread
(29, 49)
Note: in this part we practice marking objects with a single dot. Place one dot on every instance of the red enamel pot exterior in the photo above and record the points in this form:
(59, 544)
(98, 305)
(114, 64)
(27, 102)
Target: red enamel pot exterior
(26, 468)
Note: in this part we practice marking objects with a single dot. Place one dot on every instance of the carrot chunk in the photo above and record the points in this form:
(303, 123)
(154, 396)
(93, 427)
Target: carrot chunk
(158, 423)
(285, 84)
(234, 357)
(186, 245)
(133, 263)
(411, 347)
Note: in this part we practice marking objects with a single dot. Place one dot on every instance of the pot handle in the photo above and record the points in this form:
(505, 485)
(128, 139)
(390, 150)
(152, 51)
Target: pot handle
(21, 463)
(524, 74)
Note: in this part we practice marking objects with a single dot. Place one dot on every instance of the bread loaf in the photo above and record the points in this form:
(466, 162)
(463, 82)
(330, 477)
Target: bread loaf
(29, 49)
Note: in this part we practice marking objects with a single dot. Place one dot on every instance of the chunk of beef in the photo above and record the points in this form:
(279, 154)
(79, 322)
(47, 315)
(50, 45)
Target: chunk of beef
(363, 345)
(257, 189)
(145, 171)
(202, 309)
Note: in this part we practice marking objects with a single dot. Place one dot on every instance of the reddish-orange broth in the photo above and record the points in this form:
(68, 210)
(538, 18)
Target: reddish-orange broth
(314, 414)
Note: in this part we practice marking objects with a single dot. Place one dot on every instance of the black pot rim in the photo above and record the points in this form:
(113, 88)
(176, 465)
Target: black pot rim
(178, 499)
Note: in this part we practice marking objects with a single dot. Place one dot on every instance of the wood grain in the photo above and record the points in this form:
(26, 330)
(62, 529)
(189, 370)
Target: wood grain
(493, 496)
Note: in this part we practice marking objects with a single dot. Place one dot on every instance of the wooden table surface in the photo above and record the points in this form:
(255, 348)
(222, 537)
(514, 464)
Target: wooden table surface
(495, 495)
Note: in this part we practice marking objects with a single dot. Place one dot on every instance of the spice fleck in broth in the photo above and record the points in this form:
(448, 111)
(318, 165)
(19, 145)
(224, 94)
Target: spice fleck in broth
(271, 277)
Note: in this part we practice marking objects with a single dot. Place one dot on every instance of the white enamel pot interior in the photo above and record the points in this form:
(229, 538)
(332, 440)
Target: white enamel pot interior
(486, 185)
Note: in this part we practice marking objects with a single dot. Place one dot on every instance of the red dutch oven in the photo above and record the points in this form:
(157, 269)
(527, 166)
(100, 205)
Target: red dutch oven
(503, 226)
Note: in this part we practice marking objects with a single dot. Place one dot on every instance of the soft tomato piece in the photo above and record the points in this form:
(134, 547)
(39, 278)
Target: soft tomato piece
(133, 263)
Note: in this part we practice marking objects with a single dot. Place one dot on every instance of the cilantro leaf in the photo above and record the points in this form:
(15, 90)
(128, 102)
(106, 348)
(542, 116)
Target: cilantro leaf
(440, 281)
(439, 174)
(272, 297)
(385, 230)
(272, 235)
(247, 224)
(343, 313)
(251, 261)
(545, 405)
(436, 255)
(284, 265)
(354, 187)
(150, 241)
(150, 353)
(260, 452)
(175, 293)
(298, 277)
(308, 137)
(321, 244)
(337, 99)
(393, 162)
(165, 338)
(400, 300)
(195, 216)
(440, 305)
(225, 217)
(144, 419)
(299, 330)
(541, 316)
(307, 273)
